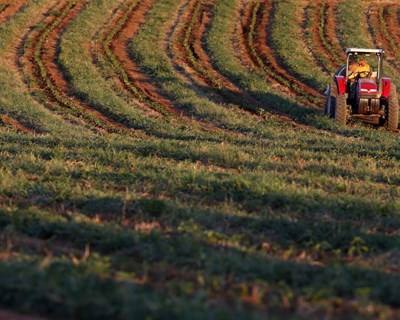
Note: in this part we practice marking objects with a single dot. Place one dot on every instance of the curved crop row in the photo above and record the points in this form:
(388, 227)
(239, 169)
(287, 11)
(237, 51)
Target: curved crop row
(192, 52)
(190, 44)
(15, 124)
(39, 60)
(391, 15)
(115, 42)
(255, 30)
(8, 10)
(327, 32)
(249, 23)
(320, 28)
(145, 50)
(289, 46)
(16, 101)
(126, 24)
(101, 91)
(89, 62)
(179, 50)
(130, 74)
(314, 24)
(382, 21)
(3, 6)
(102, 54)
(188, 52)
(226, 45)
(381, 37)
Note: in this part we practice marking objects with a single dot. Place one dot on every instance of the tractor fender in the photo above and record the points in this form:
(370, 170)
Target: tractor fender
(341, 84)
(386, 84)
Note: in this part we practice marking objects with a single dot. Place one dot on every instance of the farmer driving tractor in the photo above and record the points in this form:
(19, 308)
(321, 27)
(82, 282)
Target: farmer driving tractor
(359, 68)
(358, 92)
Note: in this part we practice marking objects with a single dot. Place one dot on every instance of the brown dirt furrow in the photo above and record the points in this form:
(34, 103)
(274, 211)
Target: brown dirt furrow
(245, 49)
(398, 16)
(245, 43)
(231, 93)
(26, 51)
(184, 46)
(190, 57)
(50, 46)
(15, 124)
(101, 48)
(392, 31)
(139, 79)
(11, 9)
(267, 57)
(197, 40)
(49, 58)
(240, 44)
(176, 46)
(243, 46)
(39, 60)
(179, 57)
(320, 15)
(374, 26)
(380, 33)
(120, 48)
(120, 45)
(312, 27)
(336, 50)
(392, 19)
(8, 315)
(3, 7)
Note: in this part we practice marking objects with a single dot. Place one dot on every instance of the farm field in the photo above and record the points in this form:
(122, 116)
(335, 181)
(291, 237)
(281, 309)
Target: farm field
(169, 159)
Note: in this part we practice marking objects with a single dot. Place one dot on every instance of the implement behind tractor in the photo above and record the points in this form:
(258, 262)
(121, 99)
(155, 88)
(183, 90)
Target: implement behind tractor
(358, 92)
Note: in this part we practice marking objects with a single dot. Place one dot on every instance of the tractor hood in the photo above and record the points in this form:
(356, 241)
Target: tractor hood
(367, 86)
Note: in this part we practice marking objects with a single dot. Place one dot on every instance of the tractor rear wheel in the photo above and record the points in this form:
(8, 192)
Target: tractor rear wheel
(341, 112)
(393, 110)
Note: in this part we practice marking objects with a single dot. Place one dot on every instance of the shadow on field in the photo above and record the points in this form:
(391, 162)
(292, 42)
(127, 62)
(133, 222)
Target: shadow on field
(280, 215)
(66, 290)
(185, 254)
(253, 194)
(282, 227)
(48, 148)
(249, 100)
(255, 101)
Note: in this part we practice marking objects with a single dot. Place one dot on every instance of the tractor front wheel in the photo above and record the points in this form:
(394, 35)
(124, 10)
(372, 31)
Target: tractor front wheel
(393, 110)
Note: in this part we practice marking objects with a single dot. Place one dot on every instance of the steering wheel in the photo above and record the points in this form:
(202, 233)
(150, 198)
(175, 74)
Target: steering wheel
(353, 75)
(360, 74)
(365, 74)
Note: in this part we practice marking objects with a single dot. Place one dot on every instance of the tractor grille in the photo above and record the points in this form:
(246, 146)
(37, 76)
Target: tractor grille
(369, 106)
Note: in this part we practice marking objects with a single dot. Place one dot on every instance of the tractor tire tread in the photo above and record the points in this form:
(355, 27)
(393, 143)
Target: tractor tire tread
(341, 112)
(393, 110)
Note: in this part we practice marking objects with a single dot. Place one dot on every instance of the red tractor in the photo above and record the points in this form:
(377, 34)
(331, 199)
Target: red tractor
(358, 92)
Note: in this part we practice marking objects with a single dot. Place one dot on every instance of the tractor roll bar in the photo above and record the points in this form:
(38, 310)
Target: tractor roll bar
(361, 50)
(379, 53)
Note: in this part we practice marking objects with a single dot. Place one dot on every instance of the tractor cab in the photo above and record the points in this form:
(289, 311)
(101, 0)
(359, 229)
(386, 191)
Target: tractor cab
(359, 90)
(374, 57)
